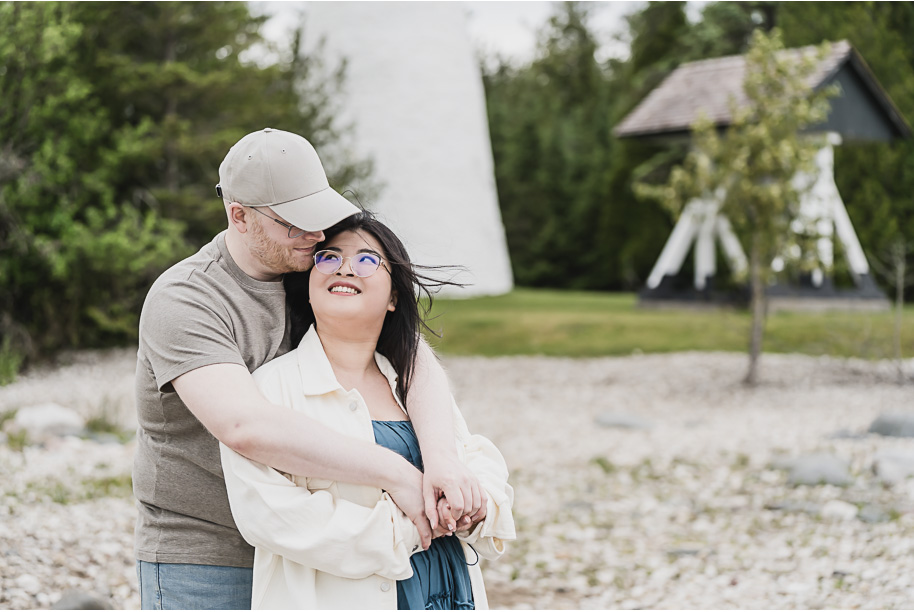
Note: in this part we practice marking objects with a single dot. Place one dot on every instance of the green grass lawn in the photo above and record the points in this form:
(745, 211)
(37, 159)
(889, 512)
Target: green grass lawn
(588, 324)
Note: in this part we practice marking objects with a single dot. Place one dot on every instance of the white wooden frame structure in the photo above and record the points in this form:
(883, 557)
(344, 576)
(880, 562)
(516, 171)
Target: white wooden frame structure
(701, 224)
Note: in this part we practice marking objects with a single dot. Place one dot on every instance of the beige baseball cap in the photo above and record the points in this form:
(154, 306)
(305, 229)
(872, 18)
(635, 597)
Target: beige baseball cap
(281, 170)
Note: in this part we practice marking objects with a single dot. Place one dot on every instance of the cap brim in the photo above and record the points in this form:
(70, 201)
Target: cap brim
(317, 211)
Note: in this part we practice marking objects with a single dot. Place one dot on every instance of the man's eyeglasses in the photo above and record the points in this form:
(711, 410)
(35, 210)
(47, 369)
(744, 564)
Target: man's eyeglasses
(362, 265)
(294, 232)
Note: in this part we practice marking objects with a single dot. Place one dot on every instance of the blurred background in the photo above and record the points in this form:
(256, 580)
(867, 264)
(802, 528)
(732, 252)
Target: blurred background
(484, 133)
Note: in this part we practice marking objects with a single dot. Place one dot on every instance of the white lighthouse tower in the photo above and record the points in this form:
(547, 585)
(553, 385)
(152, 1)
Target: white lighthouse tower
(414, 96)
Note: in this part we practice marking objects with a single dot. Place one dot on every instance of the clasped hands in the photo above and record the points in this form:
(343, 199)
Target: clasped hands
(443, 500)
(454, 501)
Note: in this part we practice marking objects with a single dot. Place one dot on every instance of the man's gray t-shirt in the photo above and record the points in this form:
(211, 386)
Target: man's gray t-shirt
(202, 311)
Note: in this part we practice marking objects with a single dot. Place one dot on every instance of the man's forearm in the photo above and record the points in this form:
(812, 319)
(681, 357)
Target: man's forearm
(295, 443)
(228, 403)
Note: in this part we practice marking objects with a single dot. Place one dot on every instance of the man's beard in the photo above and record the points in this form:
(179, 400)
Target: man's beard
(271, 254)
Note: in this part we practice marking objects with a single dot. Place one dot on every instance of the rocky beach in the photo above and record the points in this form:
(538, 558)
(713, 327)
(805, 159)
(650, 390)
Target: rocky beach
(649, 481)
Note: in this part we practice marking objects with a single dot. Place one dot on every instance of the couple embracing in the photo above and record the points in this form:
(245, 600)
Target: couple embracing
(298, 445)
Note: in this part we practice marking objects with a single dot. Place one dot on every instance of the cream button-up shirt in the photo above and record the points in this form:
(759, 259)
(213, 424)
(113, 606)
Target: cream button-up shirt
(322, 544)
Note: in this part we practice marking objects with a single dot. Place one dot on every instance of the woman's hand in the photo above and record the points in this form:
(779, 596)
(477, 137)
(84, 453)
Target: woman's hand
(448, 525)
(445, 475)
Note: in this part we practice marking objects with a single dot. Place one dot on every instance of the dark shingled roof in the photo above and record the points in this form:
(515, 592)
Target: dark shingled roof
(708, 85)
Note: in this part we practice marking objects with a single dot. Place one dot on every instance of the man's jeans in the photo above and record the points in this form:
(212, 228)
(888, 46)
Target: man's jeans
(182, 586)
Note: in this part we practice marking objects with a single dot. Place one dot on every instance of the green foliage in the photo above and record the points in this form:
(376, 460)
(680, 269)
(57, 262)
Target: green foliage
(605, 464)
(114, 120)
(10, 362)
(104, 420)
(17, 440)
(65, 493)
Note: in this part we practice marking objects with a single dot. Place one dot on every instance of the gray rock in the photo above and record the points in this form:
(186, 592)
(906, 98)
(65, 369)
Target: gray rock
(47, 420)
(620, 420)
(898, 425)
(873, 514)
(819, 468)
(893, 465)
(77, 600)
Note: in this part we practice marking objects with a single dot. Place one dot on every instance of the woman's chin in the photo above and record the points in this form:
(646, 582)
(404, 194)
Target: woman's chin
(342, 318)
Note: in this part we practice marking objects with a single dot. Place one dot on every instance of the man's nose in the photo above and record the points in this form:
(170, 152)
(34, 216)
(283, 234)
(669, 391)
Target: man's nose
(317, 236)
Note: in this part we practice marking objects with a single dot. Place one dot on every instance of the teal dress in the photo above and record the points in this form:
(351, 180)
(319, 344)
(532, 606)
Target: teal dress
(440, 579)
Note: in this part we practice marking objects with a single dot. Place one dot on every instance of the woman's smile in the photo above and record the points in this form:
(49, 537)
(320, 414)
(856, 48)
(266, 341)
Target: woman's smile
(344, 288)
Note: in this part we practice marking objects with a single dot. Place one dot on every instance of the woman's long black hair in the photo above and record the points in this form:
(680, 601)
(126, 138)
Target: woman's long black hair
(399, 340)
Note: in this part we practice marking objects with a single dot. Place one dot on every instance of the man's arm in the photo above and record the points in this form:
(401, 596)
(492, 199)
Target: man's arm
(225, 399)
(429, 407)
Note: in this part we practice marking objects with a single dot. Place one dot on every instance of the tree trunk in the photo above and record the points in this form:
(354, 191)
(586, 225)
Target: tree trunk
(757, 305)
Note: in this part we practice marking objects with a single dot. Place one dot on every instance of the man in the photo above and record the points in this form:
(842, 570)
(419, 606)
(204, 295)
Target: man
(209, 321)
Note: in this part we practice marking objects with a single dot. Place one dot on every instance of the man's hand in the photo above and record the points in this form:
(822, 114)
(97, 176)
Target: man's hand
(446, 475)
(467, 521)
(407, 494)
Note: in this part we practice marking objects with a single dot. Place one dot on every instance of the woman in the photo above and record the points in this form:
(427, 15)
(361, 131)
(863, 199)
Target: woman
(325, 544)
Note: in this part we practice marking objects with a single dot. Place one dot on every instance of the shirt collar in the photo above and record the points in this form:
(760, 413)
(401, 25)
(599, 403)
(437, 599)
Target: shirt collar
(317, 375)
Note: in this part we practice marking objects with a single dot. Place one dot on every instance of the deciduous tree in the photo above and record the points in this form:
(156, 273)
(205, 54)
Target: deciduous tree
(752, 166)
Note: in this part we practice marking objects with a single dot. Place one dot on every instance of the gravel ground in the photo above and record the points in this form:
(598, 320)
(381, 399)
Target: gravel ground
(687, 512)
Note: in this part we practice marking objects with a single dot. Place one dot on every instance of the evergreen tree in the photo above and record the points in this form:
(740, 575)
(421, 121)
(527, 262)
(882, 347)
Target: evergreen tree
(550, 139)
(114, 120)
(74, 257)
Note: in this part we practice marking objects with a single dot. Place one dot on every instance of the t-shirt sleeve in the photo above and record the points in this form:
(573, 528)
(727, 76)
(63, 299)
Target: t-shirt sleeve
(183, 327)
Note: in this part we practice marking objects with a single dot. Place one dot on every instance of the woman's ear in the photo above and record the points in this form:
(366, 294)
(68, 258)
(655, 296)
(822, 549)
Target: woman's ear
(392, 306)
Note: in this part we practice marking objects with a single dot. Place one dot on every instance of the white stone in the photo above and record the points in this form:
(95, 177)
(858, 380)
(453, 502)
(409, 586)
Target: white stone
(836, 509)
(894, 465)
(28, 583)
(46, 420)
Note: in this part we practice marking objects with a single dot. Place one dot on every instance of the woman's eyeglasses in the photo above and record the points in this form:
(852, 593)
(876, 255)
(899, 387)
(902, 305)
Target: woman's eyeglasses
(362, 264)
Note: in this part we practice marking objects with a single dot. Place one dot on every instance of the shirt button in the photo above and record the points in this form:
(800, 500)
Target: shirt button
(385, 586)
(354, 406)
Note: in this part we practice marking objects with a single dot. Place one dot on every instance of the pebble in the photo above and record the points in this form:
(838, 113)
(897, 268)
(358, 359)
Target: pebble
(839, 510)
(689, 513)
